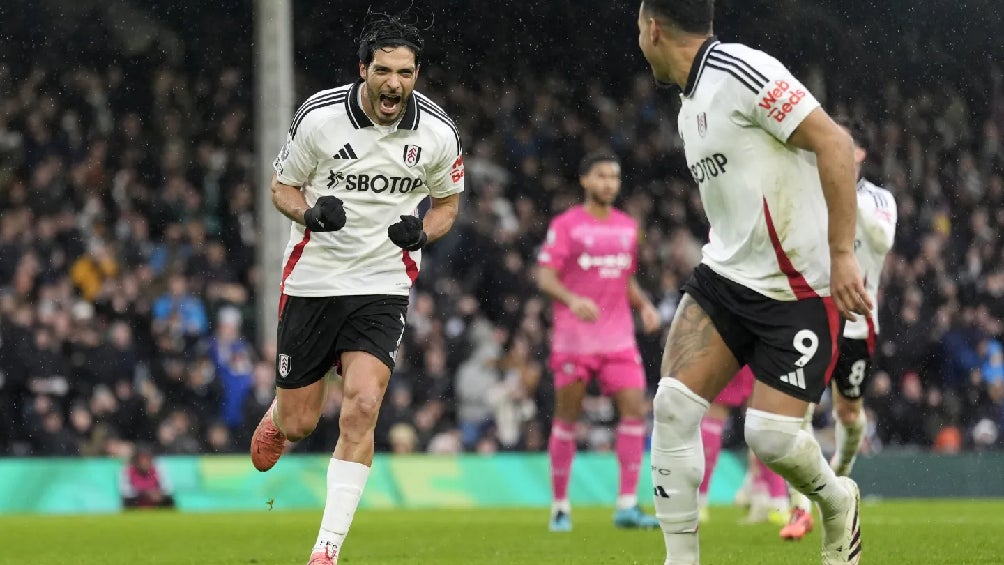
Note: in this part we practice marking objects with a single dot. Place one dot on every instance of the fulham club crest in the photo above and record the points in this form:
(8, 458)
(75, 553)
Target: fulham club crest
(702, 124)
(284, 364)
(412, 153)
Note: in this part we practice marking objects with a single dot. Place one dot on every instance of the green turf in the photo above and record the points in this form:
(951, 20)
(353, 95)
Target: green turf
(895, 533)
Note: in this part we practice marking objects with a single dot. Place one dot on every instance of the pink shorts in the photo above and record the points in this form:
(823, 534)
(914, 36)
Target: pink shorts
(615, 371)
(737, 391)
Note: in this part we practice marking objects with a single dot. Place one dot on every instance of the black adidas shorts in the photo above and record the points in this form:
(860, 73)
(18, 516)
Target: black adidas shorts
(854, 367)
(790, 345)
(313, 333)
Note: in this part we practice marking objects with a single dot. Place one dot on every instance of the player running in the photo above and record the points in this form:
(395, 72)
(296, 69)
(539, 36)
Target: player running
(357, 162)
(876, 230)
(776, 177)
(586, 266)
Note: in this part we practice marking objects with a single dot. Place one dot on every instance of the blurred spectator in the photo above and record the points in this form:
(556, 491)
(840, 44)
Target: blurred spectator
(129, 229)
(52, 437)
(905, 423)
(258, 399)
(397, 409)
(90, 271)
(991, 356)
(143, 483)
(402, 438)
(178, 312)
(513, 396)
(233, 359)
(177, 434)
(475, 377)
(218, 439)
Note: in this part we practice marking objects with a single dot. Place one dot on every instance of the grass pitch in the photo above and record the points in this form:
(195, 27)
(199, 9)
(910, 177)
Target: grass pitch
(895, 533)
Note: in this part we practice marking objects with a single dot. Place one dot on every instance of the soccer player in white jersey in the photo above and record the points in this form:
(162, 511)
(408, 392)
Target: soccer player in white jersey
(587, 267)
(776, 177)
(876, 230)
(358, 161)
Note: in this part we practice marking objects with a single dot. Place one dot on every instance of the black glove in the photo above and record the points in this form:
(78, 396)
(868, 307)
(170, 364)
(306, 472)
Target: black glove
(408, 233)
(326, 215)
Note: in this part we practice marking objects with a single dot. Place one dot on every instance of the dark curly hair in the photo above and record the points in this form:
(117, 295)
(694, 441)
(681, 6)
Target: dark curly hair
(381, 30)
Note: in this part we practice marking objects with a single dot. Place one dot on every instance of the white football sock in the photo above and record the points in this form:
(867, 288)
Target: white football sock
(744, 496)
(346, 480)
(781, 443)
(562, 505)
(677, 468)
(848, 441)
(799, 500)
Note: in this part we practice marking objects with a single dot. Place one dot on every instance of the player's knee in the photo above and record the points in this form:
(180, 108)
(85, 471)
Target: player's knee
(359, 411)
(298, 424)
(768, 442)
(677, 406)
(632, 405)
(849, 413)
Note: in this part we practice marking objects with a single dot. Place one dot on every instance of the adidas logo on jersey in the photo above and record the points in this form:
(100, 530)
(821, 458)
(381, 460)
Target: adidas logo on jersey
(795, 378)
(345, 152)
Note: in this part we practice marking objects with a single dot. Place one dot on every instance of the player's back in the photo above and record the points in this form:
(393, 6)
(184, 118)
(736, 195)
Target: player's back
(594, 258)
(762, 196)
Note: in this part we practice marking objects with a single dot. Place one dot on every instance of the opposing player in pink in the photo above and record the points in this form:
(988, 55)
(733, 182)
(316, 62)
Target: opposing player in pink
(769, 500)
(587, 267)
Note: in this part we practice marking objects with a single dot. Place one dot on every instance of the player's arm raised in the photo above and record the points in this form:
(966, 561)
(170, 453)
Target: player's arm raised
(834, 158)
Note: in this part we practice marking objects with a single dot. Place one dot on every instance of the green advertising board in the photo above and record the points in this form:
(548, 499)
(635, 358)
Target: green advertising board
(222, 483)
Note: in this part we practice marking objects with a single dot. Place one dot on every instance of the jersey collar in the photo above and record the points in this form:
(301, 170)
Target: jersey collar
(697, 68)
(359, 118)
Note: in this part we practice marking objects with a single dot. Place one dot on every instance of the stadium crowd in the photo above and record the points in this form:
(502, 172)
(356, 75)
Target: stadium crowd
(128, 276)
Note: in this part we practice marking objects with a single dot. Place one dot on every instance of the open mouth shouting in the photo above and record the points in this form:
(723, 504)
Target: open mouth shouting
(390, 105)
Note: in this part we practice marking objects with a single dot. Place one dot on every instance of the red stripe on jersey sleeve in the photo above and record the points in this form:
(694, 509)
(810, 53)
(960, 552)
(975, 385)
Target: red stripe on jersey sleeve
(798, 283)
(410, 266)
(294, 256)
(833, 317)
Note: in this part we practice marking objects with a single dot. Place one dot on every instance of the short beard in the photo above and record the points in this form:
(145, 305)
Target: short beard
(374, 102)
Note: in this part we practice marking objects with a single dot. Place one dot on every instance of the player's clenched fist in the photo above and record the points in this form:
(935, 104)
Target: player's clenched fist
(327, 214)
(408, 233)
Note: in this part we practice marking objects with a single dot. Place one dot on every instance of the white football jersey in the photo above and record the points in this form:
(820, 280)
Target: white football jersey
(762, 196)
(873, 240)
(379, 173)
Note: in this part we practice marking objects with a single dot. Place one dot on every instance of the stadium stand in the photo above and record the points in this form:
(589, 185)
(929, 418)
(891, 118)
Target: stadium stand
(127, 236)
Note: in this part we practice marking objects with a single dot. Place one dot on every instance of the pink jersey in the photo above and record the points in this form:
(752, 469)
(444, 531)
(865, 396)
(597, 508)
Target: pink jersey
(594, 258)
